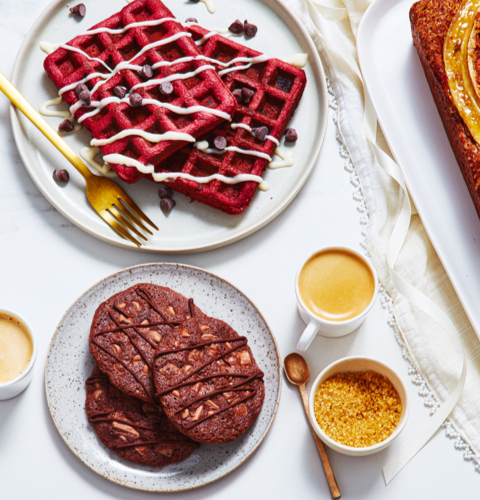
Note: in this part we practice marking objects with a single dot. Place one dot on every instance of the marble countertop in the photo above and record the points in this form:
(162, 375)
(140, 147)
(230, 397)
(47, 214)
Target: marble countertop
(46, 263)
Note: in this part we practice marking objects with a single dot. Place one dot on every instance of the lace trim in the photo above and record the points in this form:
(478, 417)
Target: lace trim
(386, 301)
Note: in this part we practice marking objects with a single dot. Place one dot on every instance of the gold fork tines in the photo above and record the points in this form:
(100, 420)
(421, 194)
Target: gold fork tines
(110, 201)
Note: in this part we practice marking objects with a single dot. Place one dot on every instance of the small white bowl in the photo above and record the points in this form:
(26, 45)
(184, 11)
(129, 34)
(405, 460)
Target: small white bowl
(12, 388)
(355, 364)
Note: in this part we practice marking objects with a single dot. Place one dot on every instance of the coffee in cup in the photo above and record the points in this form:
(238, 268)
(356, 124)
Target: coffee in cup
(16, 347)
(336, 285)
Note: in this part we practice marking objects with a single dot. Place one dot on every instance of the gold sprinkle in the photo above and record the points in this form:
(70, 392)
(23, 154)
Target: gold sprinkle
(357, 409)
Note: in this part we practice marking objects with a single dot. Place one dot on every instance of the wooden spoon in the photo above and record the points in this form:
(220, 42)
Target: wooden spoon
(297, 372)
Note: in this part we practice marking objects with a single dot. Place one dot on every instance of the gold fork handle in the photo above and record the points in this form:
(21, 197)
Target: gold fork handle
(26, 108)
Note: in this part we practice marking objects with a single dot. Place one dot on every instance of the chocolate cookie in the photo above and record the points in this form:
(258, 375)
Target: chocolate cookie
(137, 431)
(208, 382)
(126, 329)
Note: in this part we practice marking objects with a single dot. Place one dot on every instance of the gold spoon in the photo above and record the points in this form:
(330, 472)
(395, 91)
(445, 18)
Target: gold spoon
(297, 372)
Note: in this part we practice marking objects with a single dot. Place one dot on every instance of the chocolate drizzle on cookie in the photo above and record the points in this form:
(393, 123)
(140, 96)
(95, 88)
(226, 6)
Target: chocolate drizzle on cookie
(237, 387)
(123, 418)
(125, 325)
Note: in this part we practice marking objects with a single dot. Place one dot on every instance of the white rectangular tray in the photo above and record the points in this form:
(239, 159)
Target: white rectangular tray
(413, 129)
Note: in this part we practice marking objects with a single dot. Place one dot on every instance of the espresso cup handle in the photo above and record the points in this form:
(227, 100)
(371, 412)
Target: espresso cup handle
(307, 336)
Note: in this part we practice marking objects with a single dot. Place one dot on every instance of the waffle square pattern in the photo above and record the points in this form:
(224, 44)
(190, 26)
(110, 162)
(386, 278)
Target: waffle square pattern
(272, 90)
(140, 133)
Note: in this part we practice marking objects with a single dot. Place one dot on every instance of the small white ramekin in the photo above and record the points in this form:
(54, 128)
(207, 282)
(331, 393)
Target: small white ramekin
(12, 388)
(355, 364)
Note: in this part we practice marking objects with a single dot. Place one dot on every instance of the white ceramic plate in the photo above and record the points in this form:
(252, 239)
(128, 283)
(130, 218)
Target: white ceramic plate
(413, 129)
(191, 226)
(69, 364)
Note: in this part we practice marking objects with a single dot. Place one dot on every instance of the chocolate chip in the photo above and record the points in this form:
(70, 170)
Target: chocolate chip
(81, 87)
(166, 88)
(191, 20)
(237, 93)
(85, 97)
(135, 100)
(247, 95)
(120, 91)
(165, 192)
(236, 27)
(146, 72)
(291, 135)
(283, 83)
(250, 29)
(166, 204)
(79, 10)
(260, 133)
(220, 142)
(66, 126)
(60, 176)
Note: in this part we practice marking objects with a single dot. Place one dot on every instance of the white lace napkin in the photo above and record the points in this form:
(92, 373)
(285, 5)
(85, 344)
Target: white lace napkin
(433, 352)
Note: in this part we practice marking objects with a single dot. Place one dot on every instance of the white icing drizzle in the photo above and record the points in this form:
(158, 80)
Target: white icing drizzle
(89, 154)
(209, 5)
(247, 127)
(287, 159)
(298, 60)
(49, 48)
(62, 114)
(99, 105)
(55, 102)
(154, 138)
(203, 146)
(154, 22)
(215, 31)
(166, 176)
(172, 78)
(159, 43)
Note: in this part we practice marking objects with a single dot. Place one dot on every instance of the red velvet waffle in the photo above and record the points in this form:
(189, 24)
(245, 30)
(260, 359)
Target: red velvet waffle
(278, 88)
(66, 67)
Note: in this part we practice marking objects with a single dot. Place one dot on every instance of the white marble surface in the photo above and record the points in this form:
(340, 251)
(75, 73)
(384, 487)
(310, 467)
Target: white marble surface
(46, 263)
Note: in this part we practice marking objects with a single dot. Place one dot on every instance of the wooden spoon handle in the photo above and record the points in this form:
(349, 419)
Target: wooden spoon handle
(332, 482)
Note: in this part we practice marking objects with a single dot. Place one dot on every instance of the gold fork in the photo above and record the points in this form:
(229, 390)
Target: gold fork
(107, 198)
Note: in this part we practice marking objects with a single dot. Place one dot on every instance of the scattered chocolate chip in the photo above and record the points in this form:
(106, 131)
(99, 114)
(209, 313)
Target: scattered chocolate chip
(291, 135)
(120, 91)
(60, 176)
(283, 83)
(191, 20)
(247, 95)
(166, 204)
(135, 100)
(66, 126)
(236, 27)
(146, 72)
(220, 142)
(81, 87)
(250, 29)
(199, 187)
(79, 10)
(165, 192)
(260, 133)
(166, 88)
(237, 93)
(85, 97)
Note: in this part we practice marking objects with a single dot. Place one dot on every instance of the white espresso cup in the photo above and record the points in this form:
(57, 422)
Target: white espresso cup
(321, 325)
(14, 387)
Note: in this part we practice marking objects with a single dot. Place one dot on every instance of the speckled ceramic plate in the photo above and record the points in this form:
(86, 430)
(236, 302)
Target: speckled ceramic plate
(69, 364)
(190, 227)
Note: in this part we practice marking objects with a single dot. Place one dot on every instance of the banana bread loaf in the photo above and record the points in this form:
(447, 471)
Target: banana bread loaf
(430, 21)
